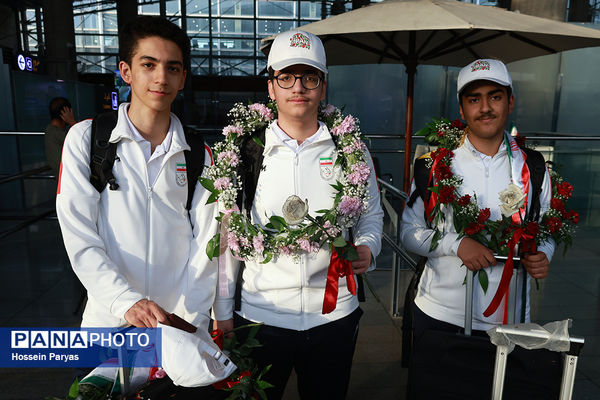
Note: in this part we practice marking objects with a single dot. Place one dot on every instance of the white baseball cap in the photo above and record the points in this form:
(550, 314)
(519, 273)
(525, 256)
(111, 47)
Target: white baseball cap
(486, 70)
(193, 359)
(297, 47)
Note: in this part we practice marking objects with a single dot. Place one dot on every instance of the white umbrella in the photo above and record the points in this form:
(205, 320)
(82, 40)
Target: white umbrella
(440, 32)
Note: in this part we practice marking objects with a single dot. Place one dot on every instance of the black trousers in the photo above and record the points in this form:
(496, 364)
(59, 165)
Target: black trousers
(321, 356)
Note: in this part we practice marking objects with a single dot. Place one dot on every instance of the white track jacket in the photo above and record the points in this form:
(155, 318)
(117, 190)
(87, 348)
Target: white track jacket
(288, 292)
(138, 241)
(441, 293)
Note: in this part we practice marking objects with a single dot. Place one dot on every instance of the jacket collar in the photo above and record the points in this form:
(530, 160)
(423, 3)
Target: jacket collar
(467, 145)
(122, 131)
(272, 140)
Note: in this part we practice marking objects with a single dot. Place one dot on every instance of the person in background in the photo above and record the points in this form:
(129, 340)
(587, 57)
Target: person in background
(61, 119)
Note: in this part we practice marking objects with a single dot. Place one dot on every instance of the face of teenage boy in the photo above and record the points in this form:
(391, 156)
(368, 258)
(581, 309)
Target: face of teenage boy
(485, 106)
(156, 74)
(297, 102)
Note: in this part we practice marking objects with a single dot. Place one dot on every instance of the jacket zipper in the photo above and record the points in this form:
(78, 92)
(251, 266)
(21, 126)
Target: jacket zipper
(303, 256)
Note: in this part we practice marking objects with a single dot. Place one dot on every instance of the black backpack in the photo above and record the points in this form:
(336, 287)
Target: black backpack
(537, 169)
(103, 154)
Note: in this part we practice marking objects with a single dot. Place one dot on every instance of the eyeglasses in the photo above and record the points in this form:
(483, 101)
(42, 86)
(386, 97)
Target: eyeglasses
(309, 81)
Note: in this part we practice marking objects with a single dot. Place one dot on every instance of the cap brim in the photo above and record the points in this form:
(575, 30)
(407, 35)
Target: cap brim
(278, 66)
(498, 81)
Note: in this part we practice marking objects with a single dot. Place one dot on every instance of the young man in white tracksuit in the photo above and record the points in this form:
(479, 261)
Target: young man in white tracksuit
(287, 293)
(485, 165)
(135, 249)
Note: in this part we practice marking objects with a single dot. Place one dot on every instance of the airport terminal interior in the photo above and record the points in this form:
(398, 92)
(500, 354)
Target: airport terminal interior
(70, 49)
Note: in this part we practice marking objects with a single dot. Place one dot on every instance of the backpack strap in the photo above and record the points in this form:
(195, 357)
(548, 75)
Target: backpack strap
(194, 161)
(249, 169)
(102, 152)
(537, 170)
(421, 177)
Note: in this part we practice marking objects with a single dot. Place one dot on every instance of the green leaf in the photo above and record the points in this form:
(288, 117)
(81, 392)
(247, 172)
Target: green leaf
(208, 184)
(213, 247)
(276, 222)
(268, 257)
(213, 197)
(339, 241)
(322, 211)
(73, 390)
(483, 279)
(349, 253)
(258, 141)
(422, 131)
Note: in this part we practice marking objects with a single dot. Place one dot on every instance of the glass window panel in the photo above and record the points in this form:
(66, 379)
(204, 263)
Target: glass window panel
(200, 66)
(197, 7)
(261, 65)
(310, 10)
(277, 9)
(233, 67)
(232, 7)
(237, 47)
(172, 7)
(109, 22)
(270, 27)
(175, 20)
(233, 27)
(90, 21)
(197, 25)
(150, 8)
(111, 43)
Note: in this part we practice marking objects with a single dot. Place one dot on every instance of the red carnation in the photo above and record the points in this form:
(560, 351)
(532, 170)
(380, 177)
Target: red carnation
(441, 153)
(442, 171)
(447, 195)
(565, 189)
(483, 216)
(557, 204)
(532, 228)
(464, 201)
(573, 216)
(473, 228)
(440, 134)
(457, 124)
(554, 224)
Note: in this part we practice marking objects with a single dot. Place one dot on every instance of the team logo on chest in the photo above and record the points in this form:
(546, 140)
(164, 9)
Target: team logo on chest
(326, 167)
(181, 174)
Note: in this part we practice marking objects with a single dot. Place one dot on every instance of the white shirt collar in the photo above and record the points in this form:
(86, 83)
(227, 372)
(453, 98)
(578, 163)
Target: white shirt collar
(161, 149)
(293, 143)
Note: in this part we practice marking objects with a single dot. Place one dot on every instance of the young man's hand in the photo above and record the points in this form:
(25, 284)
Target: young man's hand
(474, 255)
(537, 264)
(364, 259)
(145, 314)
(224, 326)
(67, 115)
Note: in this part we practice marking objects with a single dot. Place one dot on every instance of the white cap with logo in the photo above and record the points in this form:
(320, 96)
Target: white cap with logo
(486, 70)
(297, 47)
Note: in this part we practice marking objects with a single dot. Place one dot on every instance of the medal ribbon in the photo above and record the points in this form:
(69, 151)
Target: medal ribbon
(338, 268)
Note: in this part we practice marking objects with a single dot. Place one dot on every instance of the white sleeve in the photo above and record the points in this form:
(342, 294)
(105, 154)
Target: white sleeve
(416, 236)
(77, 203)
(369, 227)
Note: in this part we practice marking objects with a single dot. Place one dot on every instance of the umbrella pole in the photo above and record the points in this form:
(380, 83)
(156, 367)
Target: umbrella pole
(408, 130)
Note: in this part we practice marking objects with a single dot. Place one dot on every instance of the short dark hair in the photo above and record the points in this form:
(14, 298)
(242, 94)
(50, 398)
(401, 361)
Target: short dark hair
(148, 26)
(462, 92)
(56, 106)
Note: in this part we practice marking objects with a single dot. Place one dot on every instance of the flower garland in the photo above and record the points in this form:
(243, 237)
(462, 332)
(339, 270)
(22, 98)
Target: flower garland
(471, 221)
(297, 231)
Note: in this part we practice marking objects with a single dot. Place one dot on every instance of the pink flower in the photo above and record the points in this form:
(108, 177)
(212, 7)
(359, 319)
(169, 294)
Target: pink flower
(304, 244)
(222, 183)
(244, 241)
(229, 129)
(262, 110)
(328, 110)
(347, 126)
(350, 206)
(229, 157)
(258, 242)
(232, 242)
(331, 229)
(314, 247)
(285, 250)
(360, 173)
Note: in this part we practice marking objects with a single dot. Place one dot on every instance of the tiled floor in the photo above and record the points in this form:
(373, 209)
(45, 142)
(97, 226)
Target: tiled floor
(39, 289)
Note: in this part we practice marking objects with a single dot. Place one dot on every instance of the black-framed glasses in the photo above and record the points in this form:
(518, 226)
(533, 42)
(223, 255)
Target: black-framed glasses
(309, 80)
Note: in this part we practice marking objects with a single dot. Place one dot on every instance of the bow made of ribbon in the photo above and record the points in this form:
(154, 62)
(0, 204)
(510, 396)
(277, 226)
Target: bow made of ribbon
(338, 268)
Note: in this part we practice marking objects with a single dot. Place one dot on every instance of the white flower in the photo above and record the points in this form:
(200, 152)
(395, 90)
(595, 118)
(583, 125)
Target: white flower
(512, 199)
(294, 210)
